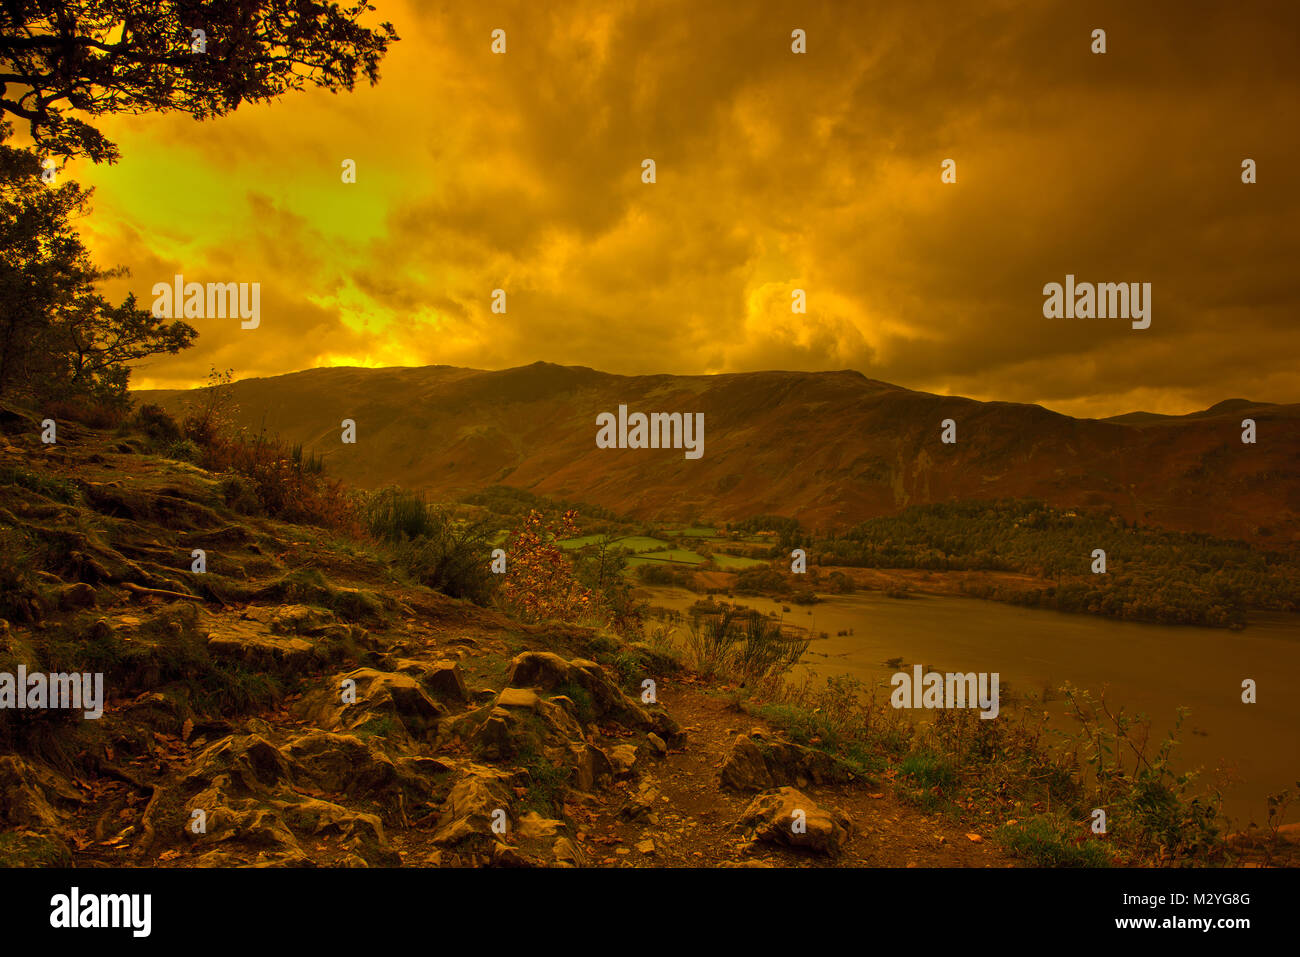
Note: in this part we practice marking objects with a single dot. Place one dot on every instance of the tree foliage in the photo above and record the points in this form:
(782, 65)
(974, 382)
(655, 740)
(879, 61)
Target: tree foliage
(62, 60)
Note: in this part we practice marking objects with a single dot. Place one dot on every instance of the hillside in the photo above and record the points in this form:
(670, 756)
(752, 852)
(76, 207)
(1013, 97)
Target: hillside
(828, 448)
(225, 741)
(306, 699)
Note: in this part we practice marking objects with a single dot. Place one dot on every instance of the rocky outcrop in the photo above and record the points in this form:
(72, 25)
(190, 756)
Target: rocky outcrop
(374, 702)
(548, 671)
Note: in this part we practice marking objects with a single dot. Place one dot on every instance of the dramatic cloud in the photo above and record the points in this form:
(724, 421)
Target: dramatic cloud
(776, 171)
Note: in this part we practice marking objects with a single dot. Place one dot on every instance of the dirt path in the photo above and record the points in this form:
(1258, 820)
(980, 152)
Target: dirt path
(695, 816)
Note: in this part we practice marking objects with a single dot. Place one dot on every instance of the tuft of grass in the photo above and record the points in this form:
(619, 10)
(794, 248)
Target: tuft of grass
(1050, 841)
(396, 515)
(930, 770)
(547, 782)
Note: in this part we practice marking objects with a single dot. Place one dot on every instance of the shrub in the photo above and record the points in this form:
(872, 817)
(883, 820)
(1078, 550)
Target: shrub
(154, 422)
(394, 515)
(287, 486)
(659, 573)
(539, 581)
(450, 557)
(744, 645)
(183, 450)
(96, 413)
(239, 495)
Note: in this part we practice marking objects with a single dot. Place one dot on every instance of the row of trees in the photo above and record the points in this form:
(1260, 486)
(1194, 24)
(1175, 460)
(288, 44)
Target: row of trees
(1152, 574)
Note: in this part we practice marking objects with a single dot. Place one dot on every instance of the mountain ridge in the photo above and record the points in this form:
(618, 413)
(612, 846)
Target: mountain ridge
(830, 448)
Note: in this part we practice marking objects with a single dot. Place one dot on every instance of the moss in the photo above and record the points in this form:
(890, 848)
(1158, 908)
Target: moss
(33, 850)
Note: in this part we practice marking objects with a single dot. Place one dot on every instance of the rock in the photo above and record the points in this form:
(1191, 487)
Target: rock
(623, 759)
(296, 619)
(531, 726)
(446, 682)
(239, 857)
(264, 652)
(657, 745)
(33, 796)
(388, 704)
(34, 849)
(76, 595)
(532, 825)
(543, 669)
(251, 762)
(441, 679)
(231, 818)
(773, 816)
(519, 698)
(361, 833)
(591, 768)
(567, 853)
(160, 712)
(346, 765)
(640, 806)
(646, 847)
(504, 855)
(470, 806)
(758, 762)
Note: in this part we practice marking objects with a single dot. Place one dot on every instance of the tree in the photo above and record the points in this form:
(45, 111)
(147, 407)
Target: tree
(58, 335)
(98, 57)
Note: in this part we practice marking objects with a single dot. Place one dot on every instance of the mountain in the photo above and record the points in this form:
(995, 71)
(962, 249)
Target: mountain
(830, 448)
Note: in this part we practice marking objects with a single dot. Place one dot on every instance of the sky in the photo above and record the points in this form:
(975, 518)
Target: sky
(775, 171)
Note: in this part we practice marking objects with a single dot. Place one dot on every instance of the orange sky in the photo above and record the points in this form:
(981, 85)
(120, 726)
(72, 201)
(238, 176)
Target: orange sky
(775, 171)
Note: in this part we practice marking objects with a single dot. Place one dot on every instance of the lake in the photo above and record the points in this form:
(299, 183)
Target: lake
(1143, 668)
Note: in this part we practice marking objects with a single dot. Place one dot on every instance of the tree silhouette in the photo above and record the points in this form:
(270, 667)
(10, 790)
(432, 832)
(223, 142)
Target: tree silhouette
(58, 336)
(98, 57)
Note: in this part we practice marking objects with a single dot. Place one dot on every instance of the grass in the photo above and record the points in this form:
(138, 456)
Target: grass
(547, 782)
(580, 697)
(633, 543)
(725, 561)
(395, 515)
(58, 490)
(380, 726)
(928, 781)
(682, 556)
(1051, 841)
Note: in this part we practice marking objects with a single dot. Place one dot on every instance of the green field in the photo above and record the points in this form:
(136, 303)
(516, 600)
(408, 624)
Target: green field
(633, 543)
(678, 556)
(728, 562)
